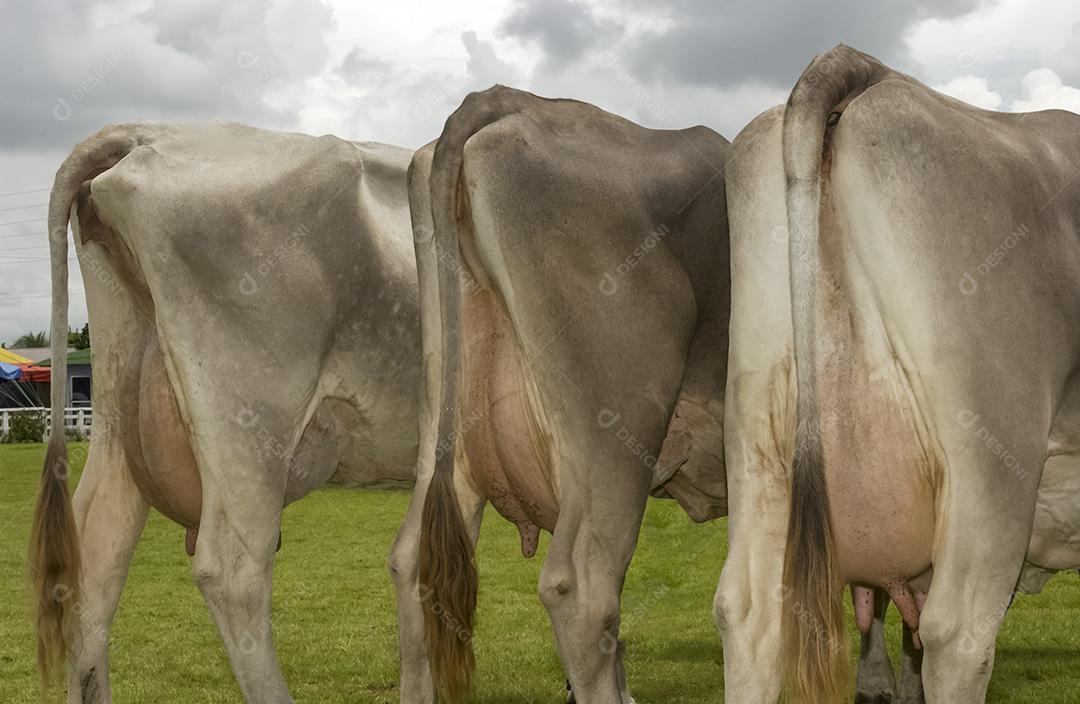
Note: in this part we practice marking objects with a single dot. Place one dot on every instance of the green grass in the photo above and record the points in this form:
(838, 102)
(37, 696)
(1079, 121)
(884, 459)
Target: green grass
(335, 620)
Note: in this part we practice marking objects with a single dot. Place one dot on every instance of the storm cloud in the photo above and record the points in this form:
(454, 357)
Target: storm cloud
(393, 72)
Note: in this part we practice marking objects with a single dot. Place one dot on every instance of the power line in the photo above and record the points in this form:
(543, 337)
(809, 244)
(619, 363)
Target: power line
(23, 222)
(23, 294)
(24, 234)
(15, 299)
(23, 193)
(23, 207)
(24, 255)
(14, 261)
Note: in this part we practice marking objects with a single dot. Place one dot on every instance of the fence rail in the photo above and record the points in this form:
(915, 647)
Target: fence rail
(79, 420)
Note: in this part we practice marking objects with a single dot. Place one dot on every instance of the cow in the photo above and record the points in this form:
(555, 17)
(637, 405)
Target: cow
(573, 276)
(254, 304)
(904, 348)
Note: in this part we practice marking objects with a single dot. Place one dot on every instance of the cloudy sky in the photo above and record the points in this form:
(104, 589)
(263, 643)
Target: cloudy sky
(392, 71)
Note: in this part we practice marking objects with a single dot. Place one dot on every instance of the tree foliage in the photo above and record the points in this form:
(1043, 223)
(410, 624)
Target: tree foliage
(80, 339)
(32, 339)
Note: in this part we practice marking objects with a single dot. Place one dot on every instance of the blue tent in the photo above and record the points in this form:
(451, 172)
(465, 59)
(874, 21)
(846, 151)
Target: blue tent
(17, 385)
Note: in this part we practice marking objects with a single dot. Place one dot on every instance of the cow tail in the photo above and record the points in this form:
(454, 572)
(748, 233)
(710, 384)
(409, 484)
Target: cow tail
(54, 547)
(813, 635)
(447, 567)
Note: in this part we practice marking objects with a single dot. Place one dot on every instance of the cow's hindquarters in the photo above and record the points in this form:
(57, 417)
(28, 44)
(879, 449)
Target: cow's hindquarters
(939, 439)
(580, 380)
(54, 556)
(982, 405)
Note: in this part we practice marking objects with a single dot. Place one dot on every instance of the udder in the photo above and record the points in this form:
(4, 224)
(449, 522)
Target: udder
(882, 507)
(881, 469)
(505, 442)
(156, 440)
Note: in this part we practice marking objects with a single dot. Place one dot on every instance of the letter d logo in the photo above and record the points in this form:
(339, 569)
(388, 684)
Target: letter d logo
(607, 418)
(968, 284)
(248, 286)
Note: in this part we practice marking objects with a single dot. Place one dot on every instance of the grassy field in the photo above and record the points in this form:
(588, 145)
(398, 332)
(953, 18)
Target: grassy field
(335, 621)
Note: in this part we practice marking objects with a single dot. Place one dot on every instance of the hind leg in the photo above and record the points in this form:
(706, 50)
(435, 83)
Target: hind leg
(233, 566)
(875, 682)
(109, 516)
(750, 596)
(416, 683)
(985, 526)
(620, 677)
(759, 418)
(748, 601)
(910, 690)
(582, 578)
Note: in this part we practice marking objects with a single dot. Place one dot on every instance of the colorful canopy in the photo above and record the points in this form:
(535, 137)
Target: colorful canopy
(14, 367)
(9, 357)
(32, 372)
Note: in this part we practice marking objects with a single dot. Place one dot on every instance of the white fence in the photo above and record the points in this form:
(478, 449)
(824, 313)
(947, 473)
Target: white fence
(76, 419)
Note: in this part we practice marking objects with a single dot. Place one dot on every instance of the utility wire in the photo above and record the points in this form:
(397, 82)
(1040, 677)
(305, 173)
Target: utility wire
(23, 193)
(23, 222)
(23, 207)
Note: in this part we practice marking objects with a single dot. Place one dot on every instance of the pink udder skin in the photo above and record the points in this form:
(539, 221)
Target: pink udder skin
(190, 539)
(863, 600)
(908, 601)
(530, 538)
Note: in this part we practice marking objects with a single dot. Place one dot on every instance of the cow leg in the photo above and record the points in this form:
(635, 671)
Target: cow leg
(982, 537)
(582, 577)
(620, 674)
(747, 613)
(416, 685)
(911, 685)
(233, 566)
(875, 682)
(759, 418)
(109, 516)
(964, 610)
(750, 595)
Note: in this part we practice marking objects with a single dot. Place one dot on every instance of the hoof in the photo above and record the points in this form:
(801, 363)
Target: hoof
(570, 694)
(875, 698)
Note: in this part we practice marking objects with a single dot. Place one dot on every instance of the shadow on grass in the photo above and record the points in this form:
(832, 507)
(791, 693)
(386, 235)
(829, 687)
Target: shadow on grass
(684, 650)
